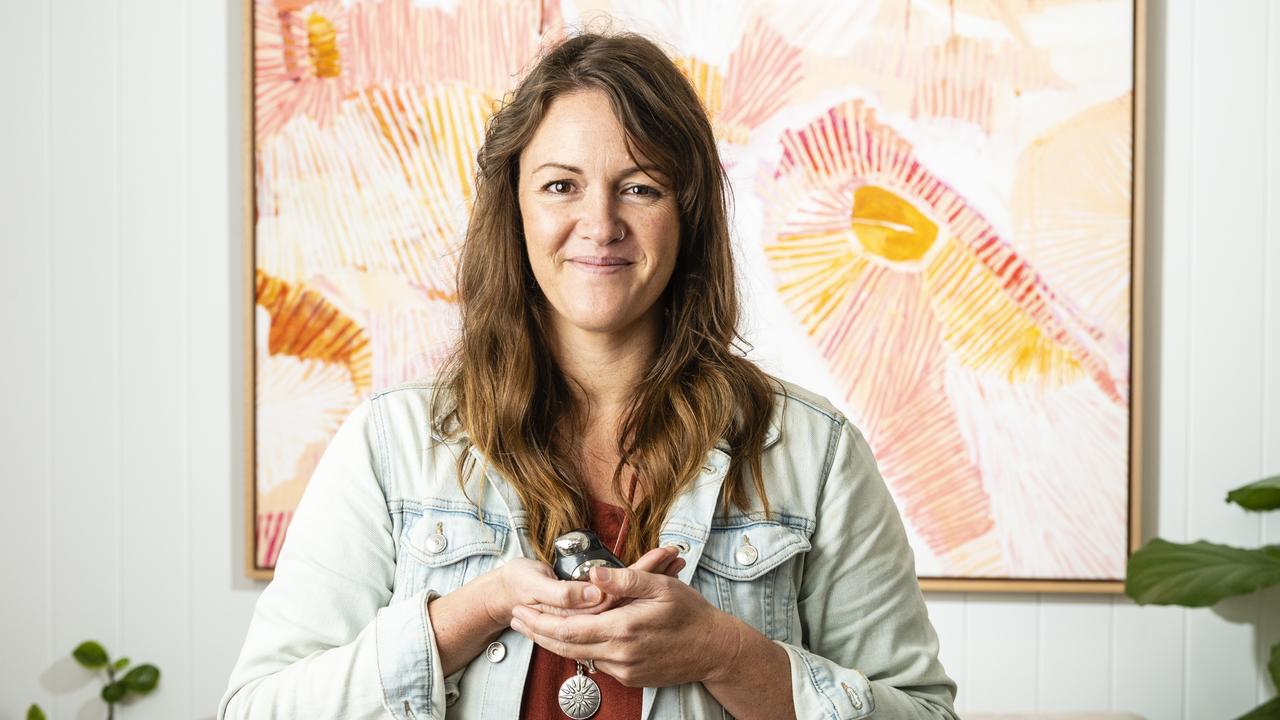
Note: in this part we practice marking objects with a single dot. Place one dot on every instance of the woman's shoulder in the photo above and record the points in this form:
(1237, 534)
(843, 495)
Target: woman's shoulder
(800, 449)
(807, 431)
(799, 410)
(420, 404)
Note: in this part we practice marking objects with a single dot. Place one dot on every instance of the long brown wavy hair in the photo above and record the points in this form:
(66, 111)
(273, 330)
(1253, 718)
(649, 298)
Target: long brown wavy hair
(508, 394)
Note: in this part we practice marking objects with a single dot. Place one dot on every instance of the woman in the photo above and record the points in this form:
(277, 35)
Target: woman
(595, 385)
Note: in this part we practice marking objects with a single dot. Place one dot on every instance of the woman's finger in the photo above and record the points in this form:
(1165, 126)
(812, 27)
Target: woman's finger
(576, 630)
(561, 636)
(661, 561)
(656, 560)
(565, 598)
(558, 647)
(541, 590)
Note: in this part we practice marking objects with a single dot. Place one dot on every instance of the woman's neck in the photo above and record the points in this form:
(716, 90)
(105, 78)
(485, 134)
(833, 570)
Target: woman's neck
(605, 368)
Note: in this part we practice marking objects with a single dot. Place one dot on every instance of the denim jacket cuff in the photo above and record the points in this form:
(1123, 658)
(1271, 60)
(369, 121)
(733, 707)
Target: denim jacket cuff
(413, 683)
(823, 689)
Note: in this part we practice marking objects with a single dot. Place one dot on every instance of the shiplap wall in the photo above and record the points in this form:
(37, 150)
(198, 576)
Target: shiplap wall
(120, 224)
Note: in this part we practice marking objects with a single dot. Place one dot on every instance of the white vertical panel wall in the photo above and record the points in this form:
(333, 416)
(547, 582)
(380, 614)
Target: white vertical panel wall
(119, 266)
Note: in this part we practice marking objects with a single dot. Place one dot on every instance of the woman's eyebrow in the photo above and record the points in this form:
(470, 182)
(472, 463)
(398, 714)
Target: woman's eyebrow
(562, 166)
(653, 171)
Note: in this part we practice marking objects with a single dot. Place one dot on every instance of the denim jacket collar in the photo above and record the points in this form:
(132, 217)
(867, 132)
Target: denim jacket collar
(455, 433)
(688, 522)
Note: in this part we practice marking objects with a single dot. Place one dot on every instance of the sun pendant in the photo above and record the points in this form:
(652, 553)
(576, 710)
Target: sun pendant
(579, 697)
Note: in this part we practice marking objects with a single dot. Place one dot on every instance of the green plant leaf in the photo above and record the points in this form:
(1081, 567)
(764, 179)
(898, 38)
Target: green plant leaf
(1269, 710)
(1261, 495)
(35, 713)
(120, 664)
(1274, 666)
(90, 654)
(1198, 574)
(143, 678)
(114, 692)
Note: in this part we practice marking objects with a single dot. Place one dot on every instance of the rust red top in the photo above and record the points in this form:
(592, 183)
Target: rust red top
(547, 671)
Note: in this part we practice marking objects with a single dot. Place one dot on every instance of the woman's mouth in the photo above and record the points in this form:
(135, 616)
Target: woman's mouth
(600, 265)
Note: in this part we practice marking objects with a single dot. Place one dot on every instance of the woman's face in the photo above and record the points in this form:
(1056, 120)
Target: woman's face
(601, 228)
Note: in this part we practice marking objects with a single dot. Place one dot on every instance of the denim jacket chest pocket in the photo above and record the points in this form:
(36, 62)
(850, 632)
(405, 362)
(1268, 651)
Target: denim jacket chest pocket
(747, 570)
(444, 547)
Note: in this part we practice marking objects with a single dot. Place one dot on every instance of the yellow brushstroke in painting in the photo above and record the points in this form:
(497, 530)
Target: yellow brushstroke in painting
(987, 330)
(888, 226)
(708, 82)
(322, 46)
(434, 133)
(1070, 209)
(984, 325)
(386, 187)
(824, 268)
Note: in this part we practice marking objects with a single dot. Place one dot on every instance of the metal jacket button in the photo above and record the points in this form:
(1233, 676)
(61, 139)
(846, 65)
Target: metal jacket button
(496, 652)
(438, 542)
(747, 553)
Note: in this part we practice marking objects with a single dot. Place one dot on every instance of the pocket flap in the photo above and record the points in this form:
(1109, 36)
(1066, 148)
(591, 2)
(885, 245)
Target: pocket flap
(746, 552)
(443, 537)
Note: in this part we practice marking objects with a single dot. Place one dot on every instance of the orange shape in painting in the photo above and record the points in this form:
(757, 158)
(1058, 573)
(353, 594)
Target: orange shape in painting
(890, 227)
(305, 325)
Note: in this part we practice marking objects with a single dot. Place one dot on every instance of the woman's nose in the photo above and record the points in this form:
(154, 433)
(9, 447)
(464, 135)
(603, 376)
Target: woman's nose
(599, 221)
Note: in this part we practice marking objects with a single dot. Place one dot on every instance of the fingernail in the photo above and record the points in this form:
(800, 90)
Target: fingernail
(592, 594)
(602, 574)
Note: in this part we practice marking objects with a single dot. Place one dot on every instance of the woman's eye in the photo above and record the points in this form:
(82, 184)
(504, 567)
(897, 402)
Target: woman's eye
(558, 187)
(642, 191)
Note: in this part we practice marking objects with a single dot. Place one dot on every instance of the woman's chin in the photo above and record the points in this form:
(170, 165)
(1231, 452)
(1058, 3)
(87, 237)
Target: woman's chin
(601, 323)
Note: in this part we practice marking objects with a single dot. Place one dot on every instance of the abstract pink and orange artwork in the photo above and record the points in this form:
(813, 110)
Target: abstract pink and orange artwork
(933, 214)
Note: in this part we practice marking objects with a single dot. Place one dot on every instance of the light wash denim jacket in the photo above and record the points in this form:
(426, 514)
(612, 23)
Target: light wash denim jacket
(342, 630)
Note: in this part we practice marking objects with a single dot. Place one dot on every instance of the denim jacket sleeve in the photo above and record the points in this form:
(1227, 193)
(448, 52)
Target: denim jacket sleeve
(870, 650)
(323, 641)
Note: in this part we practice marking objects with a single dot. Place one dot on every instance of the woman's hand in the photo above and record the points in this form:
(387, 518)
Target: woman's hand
(666, 634)
(529, 583)
(661, 561)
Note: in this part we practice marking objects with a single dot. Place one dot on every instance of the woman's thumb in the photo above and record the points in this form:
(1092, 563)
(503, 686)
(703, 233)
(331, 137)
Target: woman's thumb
(623, 582)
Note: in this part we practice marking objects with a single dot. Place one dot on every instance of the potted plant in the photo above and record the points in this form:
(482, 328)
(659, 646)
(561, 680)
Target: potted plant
(139, 680)
(1200, 574)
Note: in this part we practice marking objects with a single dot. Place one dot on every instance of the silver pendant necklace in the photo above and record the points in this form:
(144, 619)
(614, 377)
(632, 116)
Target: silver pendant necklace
(579, 695)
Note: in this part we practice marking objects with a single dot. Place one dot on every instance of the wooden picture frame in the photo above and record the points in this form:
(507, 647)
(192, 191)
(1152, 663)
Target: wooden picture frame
(256, 570)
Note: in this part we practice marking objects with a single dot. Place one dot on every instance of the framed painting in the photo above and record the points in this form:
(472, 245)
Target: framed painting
(937, 216)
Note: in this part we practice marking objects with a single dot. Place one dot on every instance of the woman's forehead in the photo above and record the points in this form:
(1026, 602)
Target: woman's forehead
(581, 131)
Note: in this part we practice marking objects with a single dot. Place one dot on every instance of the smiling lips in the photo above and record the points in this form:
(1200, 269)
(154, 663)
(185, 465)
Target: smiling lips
(600, 265)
